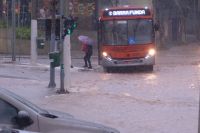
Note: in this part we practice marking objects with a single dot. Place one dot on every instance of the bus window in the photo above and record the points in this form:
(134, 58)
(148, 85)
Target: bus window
(114, 33)
(140, 31)
(127, 32)
(107, 34)
(120, 32)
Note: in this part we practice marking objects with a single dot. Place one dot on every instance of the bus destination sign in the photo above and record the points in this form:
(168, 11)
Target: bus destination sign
(130, 12)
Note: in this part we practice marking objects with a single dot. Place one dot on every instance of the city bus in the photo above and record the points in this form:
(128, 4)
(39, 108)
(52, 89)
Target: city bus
(126, 38)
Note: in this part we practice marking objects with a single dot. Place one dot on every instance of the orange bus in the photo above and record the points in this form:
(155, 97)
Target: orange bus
(126, 37)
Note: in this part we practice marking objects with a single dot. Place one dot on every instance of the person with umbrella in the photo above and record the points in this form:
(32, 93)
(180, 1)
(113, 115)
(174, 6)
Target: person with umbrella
(88, 49)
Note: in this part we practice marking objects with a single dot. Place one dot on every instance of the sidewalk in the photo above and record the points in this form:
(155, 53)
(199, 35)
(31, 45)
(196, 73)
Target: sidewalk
(43, 61)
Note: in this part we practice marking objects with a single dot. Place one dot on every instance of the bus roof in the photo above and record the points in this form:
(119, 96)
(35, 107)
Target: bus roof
(126, 13)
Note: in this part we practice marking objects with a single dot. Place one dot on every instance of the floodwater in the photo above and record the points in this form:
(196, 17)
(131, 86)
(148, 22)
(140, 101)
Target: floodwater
(163, 101)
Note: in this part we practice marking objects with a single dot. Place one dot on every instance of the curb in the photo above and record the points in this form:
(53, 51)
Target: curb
(41, 67)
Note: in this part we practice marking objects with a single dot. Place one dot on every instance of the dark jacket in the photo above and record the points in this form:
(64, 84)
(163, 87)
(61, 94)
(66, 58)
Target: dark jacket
(89, 49)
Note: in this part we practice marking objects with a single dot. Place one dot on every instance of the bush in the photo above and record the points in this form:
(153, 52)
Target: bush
(2, 24)
(23, 33)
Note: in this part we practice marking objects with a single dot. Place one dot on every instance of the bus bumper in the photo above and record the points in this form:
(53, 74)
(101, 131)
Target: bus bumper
(108, 62)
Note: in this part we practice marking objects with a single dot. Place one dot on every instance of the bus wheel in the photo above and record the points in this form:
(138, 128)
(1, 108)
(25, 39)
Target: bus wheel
(149, 68)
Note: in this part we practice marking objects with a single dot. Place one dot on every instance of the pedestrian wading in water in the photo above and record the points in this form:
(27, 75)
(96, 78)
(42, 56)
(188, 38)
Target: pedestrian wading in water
(88, 49)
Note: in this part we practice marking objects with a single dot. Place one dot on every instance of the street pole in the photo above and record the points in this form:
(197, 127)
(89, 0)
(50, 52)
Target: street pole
(199, 115)
(198, 19)
(62, 75)
(67, 62)
(1, 8)
(34, 32)
(67, 55)
(63, 88)
(13, 40)
(52, 83)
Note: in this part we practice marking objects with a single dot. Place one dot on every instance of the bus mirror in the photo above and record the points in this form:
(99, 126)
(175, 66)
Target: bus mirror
(156, 27)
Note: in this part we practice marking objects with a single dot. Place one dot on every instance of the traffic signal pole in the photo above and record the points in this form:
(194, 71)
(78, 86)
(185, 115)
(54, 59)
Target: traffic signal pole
(62, 90)
(64, 67)
(13, 40)
(52, 83)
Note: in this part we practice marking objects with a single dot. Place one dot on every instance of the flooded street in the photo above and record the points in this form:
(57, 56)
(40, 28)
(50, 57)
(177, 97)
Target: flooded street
(163, 101)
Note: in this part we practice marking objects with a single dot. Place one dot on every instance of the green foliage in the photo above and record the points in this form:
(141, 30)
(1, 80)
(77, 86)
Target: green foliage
(2, 24)
(23, 33)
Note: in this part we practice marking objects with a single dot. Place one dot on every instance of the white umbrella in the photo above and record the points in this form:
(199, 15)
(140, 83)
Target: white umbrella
(86, 39)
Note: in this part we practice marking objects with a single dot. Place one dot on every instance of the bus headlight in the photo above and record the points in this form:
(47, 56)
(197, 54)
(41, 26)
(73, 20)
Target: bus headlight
(105, 55)
(151, 53)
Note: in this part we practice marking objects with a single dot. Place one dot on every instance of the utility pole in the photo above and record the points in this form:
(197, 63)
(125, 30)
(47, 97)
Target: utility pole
(52, 83)
(62, 73)
(33, 32)
(65, 48)
(198, 19)
(198, 33)
(1, 8)
(13, 40)
(196, 12)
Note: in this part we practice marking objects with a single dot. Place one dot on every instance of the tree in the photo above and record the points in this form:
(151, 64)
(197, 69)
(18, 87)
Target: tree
(178, 18)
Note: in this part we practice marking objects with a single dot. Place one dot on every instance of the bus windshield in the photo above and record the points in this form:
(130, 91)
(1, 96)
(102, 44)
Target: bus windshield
(127, 32)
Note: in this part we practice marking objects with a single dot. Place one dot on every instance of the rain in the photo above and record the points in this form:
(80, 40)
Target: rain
(164, 99)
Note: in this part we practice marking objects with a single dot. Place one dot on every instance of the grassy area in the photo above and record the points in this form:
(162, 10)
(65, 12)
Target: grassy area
(23, 33)
(3, 24)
